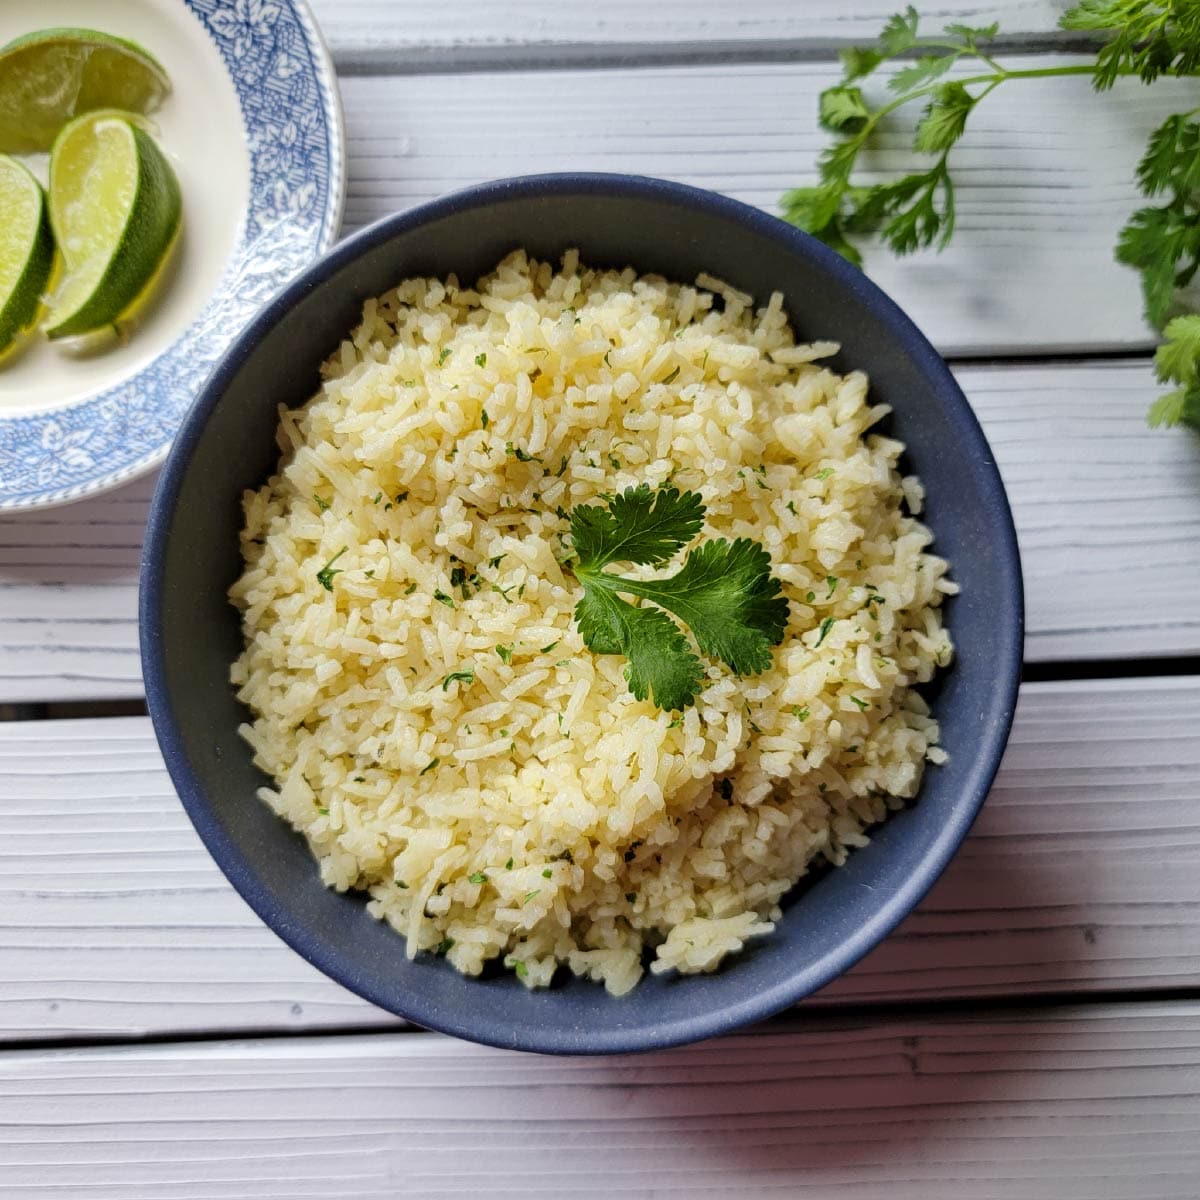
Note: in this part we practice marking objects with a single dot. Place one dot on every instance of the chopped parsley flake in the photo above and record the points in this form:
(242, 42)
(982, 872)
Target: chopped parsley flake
(484, 419)
(547, 649)
(548, 873)
(444, 945)
(322, 504)
(377, 497)
(530, 895)
(508, 865)
(791, 508)
(826, 626)
(433, 762)
(401, 884)
(467, 676)
(478, 877)
(810, 597)
(360, 779)
(442, 598)
(831, 581)
(401, 497)
(800, 713)
(412, 587)
(672, 377)
(825, 474)
(328, 571)
(481, 361)
(445, 354)
(506, 653)
(519, 454)
(862, 704)
(519, 967)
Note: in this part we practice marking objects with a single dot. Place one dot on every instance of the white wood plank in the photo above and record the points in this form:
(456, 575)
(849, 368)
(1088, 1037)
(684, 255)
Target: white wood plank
(462, 31)
(1083, 873)
(1108, 514)
(1044, 175)
(1086, 1103)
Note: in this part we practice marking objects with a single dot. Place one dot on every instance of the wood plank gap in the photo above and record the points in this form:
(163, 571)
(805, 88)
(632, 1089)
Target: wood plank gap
(803, 1015)
(1109, 668)
(573, 56)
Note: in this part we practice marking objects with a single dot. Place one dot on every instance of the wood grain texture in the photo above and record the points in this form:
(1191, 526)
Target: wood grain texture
(1044, 175)
(1082, 873)
(1087, 1103)
(1108, 513)
(466, 30)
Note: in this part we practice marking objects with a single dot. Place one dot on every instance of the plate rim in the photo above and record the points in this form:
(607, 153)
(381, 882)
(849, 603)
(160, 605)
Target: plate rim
(330, 103)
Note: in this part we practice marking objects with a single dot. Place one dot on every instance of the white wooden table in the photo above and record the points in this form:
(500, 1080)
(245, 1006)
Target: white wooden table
(1032, 1032)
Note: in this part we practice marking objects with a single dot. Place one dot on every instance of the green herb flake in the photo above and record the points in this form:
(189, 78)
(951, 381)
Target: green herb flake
(401, 497)
(530, 895)
(445, 354)
(401, 884)
(831, 582)
(522, 971)
(467, 676)
(321, 503)
(370, 573)
(810, 596)
(799, 713)
(672, 377)
(377, 497)
(412, 587)
(548, 873)
(444, 945)
(442, 598)
(484, 419)
(825, 474)
(505, 653)
(478, 877)
(826, 626)
(508, 865)
(547, 649)
(328, 571)
(481, 361)
(433, 762)
(360, 779)
(862, 704)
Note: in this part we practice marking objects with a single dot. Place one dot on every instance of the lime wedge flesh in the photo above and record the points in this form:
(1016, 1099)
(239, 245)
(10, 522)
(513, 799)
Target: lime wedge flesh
(47, 78)
(26, 252)
(115, 209)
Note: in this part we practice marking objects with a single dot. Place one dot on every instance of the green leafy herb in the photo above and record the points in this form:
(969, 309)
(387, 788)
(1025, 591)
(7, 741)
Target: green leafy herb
(442, 598)
(401, 884)
(484, 419)
(547, 649)
(724, 592)
(478, 877)
(548, 873)
(530, 895)
(862, 704)
(522, 971)
(799, 713)
(445, 354)
(467, 676)
(824, 474)
(506, 653)
(1143, 38)
(412, 587)
(481, 361)
(328, 571)
(508, 865)
(321, 503)
(429, 766)
(376, 498)
(672, 376)
(519, 454)
(401, 497)
(831, 582)
(444, 945)
(826, 626)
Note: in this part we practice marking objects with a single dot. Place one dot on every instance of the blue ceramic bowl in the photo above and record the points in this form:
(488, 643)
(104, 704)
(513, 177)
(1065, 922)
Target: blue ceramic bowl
(190, 633)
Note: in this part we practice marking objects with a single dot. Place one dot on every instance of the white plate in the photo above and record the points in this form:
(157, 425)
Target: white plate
(253, 128)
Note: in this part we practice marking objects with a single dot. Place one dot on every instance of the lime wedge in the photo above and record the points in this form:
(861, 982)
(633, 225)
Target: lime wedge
(26, 252)
(47, 78)
(115, 209)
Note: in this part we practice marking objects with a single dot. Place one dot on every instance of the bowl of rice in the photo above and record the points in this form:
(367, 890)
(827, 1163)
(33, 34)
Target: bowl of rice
(581, 614)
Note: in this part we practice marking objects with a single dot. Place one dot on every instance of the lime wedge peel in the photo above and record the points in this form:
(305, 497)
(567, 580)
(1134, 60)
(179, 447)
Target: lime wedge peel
(49, 77)
(115, 208)
(26, 253)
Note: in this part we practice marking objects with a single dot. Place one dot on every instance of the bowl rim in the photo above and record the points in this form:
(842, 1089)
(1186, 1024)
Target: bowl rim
(797, 984)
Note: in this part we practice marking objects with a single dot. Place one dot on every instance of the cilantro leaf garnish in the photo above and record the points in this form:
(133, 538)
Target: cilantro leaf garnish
(328, 571)
(724, 593)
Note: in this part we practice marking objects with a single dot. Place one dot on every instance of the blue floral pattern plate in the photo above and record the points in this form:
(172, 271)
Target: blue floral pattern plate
(254, 128)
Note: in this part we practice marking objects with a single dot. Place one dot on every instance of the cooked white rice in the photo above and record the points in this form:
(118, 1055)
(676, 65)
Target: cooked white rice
(539, 813)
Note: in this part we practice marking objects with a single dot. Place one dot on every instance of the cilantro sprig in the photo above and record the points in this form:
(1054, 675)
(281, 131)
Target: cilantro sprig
(1142, 38)
(724, 593)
